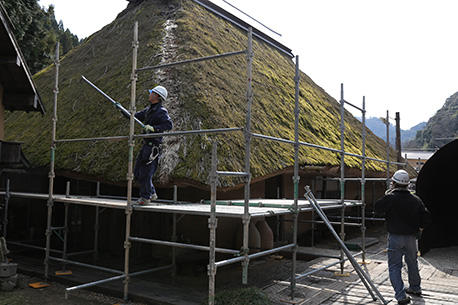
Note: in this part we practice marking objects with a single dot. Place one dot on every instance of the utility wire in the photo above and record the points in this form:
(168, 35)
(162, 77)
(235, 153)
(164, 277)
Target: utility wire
(251, 17)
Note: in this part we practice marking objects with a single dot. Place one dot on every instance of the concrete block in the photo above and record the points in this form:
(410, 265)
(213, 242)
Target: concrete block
(7, 269)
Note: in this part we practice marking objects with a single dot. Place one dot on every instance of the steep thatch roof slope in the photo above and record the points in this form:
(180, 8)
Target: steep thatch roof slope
(202, 95)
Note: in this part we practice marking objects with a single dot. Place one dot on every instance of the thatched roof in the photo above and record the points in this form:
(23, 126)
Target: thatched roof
(202, 95)
(19, 92)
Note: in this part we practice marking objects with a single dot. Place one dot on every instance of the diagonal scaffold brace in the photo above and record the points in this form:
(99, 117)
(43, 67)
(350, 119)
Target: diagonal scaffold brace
(123, 110)
(365, 279)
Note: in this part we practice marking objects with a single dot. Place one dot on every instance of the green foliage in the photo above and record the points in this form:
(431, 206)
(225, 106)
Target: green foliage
(37, 32)
(245, 296)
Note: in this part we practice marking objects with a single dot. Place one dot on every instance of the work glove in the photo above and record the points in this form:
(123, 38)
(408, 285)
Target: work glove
(149, 128)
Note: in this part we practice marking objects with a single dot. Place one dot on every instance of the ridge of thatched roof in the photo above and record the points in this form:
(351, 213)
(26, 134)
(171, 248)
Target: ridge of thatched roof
(201, 95)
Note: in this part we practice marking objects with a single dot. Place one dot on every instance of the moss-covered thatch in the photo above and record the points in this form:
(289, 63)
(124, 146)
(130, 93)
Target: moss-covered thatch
(202, 95)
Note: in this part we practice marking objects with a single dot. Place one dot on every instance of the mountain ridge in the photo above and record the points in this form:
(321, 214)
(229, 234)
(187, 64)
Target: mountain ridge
(378, 127)
(443, 124)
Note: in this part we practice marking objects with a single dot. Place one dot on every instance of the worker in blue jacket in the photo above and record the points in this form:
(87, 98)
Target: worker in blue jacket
(156, 120)
(406, 216)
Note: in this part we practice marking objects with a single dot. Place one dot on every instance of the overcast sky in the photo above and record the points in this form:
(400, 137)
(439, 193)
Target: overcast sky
(400, 54)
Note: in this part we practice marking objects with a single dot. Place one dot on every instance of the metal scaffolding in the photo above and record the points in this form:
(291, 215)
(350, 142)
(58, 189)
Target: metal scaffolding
(243, 256)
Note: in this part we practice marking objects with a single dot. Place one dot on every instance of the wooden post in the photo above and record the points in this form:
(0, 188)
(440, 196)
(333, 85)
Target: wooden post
(398, 140)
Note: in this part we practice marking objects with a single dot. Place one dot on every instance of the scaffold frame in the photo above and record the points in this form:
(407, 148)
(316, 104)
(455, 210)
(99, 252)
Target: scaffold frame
(212, 209)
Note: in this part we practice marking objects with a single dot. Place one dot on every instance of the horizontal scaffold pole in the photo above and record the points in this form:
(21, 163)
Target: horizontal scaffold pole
(187, 132)
(350, 224)
(256, 135)
(356, 179)
(114, 278)
(20, 244)
(354, 106)
(255, 255)
(181, 245)
(192, 60)
(114, 138)
(225, 173)
(153, 135)
(85, 265)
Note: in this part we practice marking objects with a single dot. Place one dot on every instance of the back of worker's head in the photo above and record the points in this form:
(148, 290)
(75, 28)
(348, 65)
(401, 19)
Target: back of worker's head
(400, 178)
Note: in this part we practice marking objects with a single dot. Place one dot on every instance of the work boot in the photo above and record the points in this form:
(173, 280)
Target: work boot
(143, 201)
(413, 292)
(404, 301)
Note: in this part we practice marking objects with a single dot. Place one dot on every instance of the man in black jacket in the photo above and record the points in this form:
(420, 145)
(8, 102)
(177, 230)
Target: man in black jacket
(406, 216)
(156, 120)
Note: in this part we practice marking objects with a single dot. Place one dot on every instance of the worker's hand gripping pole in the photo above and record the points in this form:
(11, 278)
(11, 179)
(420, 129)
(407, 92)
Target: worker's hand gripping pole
(123, 110)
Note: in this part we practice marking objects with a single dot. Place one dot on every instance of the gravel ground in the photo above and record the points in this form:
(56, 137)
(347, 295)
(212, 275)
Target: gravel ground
(444, 259)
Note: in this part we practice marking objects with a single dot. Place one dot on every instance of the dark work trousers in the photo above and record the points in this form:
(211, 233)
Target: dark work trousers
(145, 167)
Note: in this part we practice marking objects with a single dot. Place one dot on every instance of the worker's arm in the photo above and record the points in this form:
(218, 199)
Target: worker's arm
(381, 206)
(141, 114)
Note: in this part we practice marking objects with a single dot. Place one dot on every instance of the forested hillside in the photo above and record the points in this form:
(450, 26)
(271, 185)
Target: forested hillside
(441, 128)
(37, 31)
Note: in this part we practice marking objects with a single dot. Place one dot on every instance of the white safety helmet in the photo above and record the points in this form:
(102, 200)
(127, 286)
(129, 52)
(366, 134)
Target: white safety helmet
(161, 91)
(401, 177)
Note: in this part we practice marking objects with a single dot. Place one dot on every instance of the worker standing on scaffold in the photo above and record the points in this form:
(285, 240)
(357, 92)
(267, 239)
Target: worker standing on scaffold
(156, 120)
(406, 216)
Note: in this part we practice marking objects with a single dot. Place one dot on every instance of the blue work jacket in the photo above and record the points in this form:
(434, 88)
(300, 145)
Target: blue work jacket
(157, 116)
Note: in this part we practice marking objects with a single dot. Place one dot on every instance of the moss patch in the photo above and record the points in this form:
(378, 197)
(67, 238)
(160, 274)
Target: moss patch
(246, 296)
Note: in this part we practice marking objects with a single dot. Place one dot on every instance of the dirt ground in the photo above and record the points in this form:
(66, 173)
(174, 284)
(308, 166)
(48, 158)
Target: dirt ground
(53, 295)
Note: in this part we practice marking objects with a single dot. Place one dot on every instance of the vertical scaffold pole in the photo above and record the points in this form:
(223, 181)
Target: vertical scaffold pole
(212, 224)
(64, 248)
(363, 183)
(5, 215)
(387, 150)
(247, 132)
(96, 225)
(296, 175)
(96, 234)
(130, 176)
(174, 231)
(342, 173)
(52, 163)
